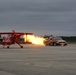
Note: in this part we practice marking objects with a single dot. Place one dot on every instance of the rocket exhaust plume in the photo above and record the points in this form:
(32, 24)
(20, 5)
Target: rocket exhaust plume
(37, 40)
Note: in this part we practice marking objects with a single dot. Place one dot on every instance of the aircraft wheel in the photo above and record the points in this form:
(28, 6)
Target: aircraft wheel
(21, 46)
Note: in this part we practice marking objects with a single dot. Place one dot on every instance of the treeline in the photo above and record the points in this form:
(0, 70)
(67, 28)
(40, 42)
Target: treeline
(69, 39)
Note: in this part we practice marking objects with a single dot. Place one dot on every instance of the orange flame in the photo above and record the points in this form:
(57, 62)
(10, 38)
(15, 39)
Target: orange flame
(34, 39)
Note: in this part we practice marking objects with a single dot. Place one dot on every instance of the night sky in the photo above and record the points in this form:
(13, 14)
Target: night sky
(42, 17)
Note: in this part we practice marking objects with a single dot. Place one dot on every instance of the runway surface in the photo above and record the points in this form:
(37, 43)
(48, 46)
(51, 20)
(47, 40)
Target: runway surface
(38, 60)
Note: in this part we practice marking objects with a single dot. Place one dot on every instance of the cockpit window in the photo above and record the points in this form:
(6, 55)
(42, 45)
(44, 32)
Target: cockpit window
(57, 38)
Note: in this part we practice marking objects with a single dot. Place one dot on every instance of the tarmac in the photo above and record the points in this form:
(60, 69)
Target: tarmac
(38, 60)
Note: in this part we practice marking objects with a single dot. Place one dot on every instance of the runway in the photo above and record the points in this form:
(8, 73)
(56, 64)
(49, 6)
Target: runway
(38, 60)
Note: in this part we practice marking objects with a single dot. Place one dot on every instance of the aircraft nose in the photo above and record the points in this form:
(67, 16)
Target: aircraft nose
(18, 34)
